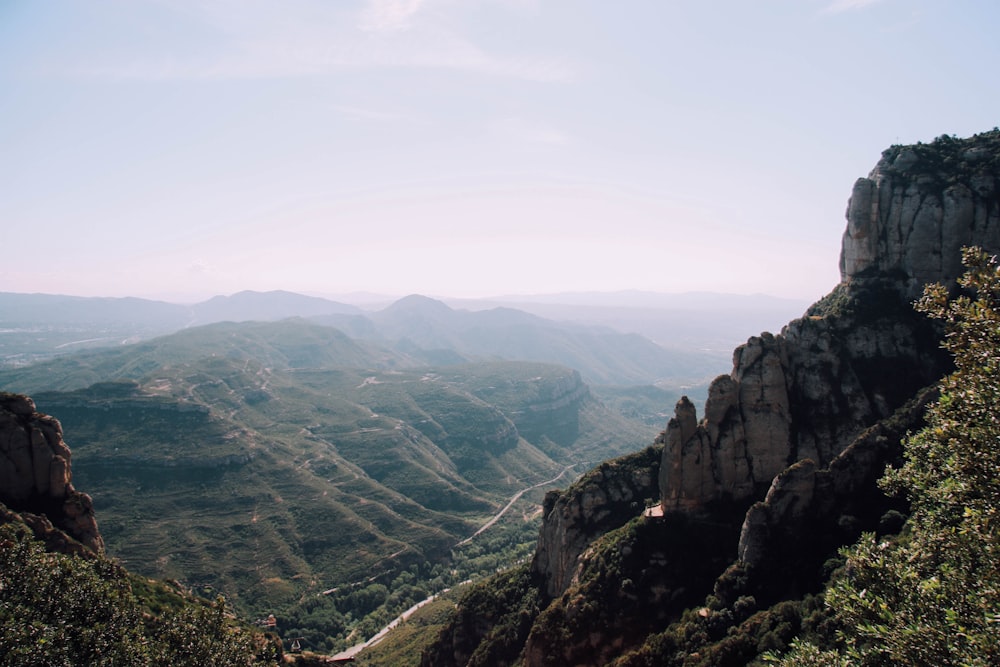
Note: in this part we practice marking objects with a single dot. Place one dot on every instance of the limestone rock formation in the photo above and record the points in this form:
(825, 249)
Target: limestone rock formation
(918, 207)
(794, 438)
(815, 510)
(35, 474)
(806, 393)
(603, 499)
(860, 353)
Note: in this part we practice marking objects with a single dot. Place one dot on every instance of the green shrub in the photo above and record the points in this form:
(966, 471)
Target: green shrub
(64, 610)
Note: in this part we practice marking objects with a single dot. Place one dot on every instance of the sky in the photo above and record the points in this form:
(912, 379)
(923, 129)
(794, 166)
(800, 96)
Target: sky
(180, 149)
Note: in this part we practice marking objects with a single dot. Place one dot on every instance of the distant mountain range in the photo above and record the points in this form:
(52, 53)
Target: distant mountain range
(695, 320)
(609, 344)
(53, 309)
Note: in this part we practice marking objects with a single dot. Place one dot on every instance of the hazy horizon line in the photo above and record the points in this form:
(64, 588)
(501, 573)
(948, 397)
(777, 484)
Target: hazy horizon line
(356, 297)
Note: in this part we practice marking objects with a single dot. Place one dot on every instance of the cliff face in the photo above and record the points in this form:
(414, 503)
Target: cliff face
(860, 353)
(810, 510)
(803, 394)
(36, 479)
(793, 439)
(916, 210)
(555, 411)
(603, 499)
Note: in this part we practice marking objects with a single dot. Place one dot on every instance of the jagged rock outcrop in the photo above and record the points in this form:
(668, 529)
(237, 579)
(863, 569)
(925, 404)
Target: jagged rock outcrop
(858, 355)
(916, 210)
(792, 440)
(603, 499)
(805, 393)
(35, 475)
(809, 511)
(730, 453)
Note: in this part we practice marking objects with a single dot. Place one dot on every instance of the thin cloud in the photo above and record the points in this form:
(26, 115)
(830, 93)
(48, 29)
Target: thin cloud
(359, 113)
(521, 130)
(261, 40)
(839, 6)
(389, 15)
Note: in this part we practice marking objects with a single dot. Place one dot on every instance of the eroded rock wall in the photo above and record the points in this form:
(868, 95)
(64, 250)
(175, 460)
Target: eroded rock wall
(917, 208)
(859, 354)
(603, 499)
(35, 473)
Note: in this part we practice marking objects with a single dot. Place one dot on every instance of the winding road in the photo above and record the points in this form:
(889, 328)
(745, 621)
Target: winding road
(381, 634)
(514, 499)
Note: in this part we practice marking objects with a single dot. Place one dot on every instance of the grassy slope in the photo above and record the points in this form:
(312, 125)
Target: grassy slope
(253, 460)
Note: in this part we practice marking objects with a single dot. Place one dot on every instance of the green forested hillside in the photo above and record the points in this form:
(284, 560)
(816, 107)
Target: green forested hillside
(57, 609)
(285, 344)
(273, 462)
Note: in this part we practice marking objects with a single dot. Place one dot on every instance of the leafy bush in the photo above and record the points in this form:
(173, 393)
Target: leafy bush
(932, 597)
(63, 610)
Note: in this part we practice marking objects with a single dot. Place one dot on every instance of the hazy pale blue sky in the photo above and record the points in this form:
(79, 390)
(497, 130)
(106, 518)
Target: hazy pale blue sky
(184, 148)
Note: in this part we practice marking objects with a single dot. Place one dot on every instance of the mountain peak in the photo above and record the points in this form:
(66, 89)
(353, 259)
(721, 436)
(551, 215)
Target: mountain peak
(273, 305)
(908, 220)
(419, 301)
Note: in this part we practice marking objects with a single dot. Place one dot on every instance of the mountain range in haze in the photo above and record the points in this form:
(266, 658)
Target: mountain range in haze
(564, 328)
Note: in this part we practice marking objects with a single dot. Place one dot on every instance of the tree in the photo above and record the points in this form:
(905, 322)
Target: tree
(57, 609)
(932, 595)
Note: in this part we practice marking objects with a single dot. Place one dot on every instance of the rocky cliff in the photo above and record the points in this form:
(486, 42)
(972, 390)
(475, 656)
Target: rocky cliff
(918, 207)
(601, 500)
(803, 394)
(36, 479)
(784, 460)
(553, 409)
(860, 353)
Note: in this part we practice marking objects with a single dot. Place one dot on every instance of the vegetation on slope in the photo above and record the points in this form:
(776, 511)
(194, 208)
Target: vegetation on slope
(402, 647)
(492, 622)
(65, 610)
(649, 569)
(932, 595)
(946, 160)
(255, 461)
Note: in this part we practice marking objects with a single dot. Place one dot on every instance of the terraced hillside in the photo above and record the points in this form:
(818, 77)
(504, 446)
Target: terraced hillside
(272, 462)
